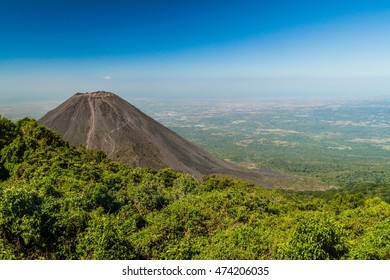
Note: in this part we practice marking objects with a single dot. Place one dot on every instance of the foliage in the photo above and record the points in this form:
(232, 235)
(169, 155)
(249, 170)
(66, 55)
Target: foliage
(63, 202)
(7, 132)
(317, 238)
(374, 244)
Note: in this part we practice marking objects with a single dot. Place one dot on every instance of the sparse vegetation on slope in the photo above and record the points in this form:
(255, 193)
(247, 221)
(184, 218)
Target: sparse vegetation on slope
(62, 202)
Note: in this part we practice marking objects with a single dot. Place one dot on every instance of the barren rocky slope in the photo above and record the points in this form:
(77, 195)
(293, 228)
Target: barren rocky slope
(104, 121)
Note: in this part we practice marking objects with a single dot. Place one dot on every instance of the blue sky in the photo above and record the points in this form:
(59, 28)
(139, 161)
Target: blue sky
(219, 49)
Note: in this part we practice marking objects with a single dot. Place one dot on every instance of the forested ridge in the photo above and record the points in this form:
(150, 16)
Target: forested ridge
(63, 202)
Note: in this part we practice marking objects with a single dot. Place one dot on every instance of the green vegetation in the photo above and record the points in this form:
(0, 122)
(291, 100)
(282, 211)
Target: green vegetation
(64, 202)
(346, 144)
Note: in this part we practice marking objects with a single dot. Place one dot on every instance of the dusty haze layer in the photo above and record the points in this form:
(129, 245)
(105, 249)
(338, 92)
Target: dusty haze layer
(104, 121)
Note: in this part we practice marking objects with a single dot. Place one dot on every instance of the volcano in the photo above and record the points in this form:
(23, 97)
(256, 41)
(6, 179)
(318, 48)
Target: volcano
(104, 121)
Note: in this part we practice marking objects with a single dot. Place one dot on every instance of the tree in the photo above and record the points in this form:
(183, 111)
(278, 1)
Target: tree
(7, 132)
(317, 238)
(374, 244)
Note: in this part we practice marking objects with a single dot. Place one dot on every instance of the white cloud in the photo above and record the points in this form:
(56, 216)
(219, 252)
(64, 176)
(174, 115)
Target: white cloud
(107, 78)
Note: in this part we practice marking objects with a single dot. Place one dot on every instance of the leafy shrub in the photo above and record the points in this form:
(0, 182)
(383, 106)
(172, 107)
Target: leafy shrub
(374, 244)
(317, 238)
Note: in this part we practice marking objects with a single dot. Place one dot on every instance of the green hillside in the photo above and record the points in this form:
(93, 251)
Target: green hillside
(63, 202)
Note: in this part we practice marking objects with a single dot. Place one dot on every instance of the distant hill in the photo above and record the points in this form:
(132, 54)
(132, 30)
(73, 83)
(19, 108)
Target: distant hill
(104, 121)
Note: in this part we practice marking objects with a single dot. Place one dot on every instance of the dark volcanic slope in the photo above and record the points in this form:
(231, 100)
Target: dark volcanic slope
(104, 121)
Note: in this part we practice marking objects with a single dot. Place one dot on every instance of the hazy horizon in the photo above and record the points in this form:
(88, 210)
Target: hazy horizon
(194, 49)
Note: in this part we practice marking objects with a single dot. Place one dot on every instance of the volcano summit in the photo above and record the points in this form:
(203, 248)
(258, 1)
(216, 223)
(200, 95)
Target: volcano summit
(104, 121)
